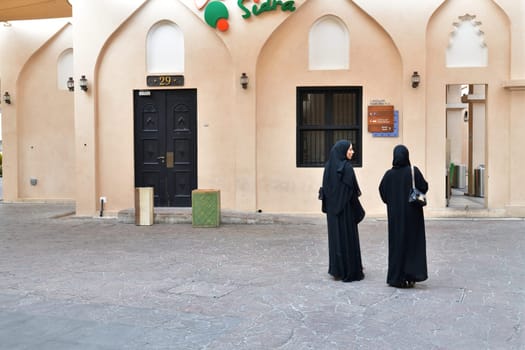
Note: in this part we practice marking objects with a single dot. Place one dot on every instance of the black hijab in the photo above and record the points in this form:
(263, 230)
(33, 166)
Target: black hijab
(401, 158)
(339, 181)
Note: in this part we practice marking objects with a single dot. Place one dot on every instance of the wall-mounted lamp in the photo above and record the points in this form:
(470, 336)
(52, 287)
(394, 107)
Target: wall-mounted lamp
(416, 79)
(7, 98)
(244, 81)
(70, 84)
(83, 83)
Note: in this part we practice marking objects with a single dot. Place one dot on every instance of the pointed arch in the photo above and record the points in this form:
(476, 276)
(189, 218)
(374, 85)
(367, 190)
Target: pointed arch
(165, 48)
(329, 44)
(64, 68)
(37, 144)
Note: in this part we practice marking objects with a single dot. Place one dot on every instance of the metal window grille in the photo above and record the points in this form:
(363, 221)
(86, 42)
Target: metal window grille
(324, 116)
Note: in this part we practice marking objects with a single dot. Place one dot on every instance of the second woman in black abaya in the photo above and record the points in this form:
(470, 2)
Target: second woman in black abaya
(340, 192)
(407, 259)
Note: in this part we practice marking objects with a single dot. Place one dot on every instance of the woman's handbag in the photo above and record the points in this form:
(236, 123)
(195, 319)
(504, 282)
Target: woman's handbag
(321, 197)
(359, 211)
(416, 197)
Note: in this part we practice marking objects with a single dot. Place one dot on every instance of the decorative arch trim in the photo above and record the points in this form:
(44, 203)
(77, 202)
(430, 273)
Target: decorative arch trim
(467, 46)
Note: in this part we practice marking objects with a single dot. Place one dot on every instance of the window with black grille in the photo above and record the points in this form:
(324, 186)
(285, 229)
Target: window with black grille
(324, 116)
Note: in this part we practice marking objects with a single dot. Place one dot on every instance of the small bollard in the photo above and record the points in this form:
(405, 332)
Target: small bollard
(143, 206)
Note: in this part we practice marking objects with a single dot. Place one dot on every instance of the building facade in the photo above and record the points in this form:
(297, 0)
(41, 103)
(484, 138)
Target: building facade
(248, 96)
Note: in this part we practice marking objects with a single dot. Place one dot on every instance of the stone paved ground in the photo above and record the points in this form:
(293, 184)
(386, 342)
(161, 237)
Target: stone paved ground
(71, 283)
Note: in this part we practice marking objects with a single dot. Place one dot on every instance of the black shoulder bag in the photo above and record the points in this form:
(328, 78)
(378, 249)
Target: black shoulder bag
(416, 197)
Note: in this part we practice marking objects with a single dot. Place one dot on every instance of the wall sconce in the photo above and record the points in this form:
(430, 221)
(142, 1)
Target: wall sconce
(70, 84)
(83, 83)
(416, 79)
(7, 98)
(244, 81)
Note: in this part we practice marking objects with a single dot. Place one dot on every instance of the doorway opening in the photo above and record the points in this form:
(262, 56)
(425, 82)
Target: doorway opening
(466, 146)
(165, 131)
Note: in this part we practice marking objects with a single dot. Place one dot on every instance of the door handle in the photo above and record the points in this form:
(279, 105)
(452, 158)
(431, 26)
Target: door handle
(161, 159)
(170, 159)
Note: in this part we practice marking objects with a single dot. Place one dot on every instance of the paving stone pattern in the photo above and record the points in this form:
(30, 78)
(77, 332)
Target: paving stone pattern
(77, 283)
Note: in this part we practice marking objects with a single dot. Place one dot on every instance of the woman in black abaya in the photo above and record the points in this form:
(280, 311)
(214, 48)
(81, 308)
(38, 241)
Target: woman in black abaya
(340, 197)
(407, 259)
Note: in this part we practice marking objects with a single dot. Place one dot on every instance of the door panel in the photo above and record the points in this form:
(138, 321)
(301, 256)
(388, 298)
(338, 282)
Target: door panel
(165, 144)
(181, 127)
(149, 144)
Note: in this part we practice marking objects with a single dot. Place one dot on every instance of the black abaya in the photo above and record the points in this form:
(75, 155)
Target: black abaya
(407, 261)
(340, 190)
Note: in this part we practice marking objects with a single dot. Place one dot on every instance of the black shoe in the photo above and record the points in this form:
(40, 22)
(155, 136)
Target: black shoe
(403, 285)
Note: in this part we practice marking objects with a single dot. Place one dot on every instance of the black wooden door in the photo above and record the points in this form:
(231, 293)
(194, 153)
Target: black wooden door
(165, 144)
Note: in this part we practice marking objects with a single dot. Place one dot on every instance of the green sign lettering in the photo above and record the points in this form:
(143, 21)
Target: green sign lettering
(244, 9)
(268, 5)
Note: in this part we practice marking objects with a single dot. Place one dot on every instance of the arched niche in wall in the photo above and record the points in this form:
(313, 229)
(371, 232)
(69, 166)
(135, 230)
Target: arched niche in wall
(328, 44)
(283, 66)
(64, 68)
(165, 48)
(480, 68)
(467, 46)
(45, 140)
(116, 77)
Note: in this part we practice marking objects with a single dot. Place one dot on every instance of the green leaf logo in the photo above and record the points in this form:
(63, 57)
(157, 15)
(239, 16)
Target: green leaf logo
(215, 14)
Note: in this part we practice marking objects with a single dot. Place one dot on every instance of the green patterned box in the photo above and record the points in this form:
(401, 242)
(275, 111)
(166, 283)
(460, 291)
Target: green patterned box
(205, 208)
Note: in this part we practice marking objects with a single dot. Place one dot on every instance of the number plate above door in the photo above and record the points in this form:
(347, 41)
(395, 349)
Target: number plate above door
(165, 80)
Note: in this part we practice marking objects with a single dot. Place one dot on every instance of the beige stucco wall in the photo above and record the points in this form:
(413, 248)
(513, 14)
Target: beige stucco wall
(45, 129)
(517, 145)
(281, 186)
(495, 25)
(89, 41)
(39, 117)
(209, 71)
(246, 138)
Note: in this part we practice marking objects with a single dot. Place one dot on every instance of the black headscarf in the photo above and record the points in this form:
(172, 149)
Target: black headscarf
(339, 181)
(401, 157)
